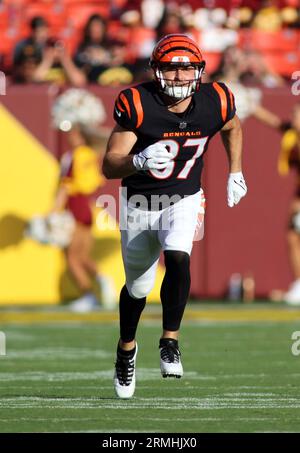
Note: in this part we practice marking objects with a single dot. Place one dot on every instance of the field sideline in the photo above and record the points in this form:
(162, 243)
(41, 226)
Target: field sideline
(240, 373)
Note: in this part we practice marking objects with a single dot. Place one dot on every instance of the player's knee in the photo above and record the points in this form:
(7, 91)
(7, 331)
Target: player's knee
(177, 259)
(138, 290)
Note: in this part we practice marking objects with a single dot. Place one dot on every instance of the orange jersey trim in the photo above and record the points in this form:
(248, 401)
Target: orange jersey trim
(126, 103)
(138, 106)
(223, 99)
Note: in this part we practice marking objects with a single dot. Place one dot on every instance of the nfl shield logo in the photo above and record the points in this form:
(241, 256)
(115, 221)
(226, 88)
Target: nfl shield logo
(182, 125)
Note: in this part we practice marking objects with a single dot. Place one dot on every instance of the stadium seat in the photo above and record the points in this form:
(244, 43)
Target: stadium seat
(17, 3)
(139, 42)
(53, 13)
(212, 60)
(79, 13)
(114, 29)
(4, 19)
(7, 45)
(88, 2)
(286, 40)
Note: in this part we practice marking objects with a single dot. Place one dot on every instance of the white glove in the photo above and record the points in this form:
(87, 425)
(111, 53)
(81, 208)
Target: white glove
(236, 188)
(155, 156)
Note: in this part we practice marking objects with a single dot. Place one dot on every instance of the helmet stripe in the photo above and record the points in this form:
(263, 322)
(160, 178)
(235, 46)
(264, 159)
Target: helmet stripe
(186, 49)
(174, 43)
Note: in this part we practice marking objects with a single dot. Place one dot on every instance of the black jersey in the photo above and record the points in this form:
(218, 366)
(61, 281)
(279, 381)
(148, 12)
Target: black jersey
(141, 110)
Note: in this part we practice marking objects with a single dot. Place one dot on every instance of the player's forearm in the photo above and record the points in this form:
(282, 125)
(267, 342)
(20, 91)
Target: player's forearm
(267, 117)
(232, 138)
(118, 162)
(117, 166)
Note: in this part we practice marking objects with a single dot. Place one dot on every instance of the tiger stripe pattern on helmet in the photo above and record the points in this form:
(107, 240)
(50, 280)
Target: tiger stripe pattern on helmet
(172, 47)
(177, 51)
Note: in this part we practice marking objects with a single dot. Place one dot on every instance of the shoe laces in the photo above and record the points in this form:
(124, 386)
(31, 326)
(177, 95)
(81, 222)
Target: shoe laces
(124, 370)
(169, 352)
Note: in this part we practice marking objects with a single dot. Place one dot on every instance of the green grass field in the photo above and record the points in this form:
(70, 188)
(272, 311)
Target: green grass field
(240, 376)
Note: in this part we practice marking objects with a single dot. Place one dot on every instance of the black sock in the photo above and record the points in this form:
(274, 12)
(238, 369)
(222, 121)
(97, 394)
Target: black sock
(166, 341)
(130, 311)
(125, 354)
(175, 288)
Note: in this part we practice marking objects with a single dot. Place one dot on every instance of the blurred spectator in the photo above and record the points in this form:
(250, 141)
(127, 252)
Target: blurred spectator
(93, 54)
(268, 18)
(40, 58)
(35, 43)
(58, 67)
(119, 53)
(244, 16)
(290, 158)
(102, 60)
(214, 36)
(290, 17)
(140, 41)
(171, 22)
(152, 11)
(26, 64)
(259, 73)
(233, 66)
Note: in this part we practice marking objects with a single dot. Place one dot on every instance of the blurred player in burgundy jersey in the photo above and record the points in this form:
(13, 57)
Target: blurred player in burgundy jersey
(163, 130)
(79, 114)
(290, 158)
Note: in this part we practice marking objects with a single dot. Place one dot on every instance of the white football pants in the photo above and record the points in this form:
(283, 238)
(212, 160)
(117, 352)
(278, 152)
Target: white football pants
(146, 233)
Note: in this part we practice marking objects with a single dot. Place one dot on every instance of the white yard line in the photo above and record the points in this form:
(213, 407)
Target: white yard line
(237, 401)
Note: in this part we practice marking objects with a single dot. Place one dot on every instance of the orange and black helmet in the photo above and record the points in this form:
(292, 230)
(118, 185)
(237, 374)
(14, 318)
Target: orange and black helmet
(177, 50)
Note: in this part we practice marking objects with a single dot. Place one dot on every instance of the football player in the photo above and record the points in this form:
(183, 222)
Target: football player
(290, 158)
(163, 130)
